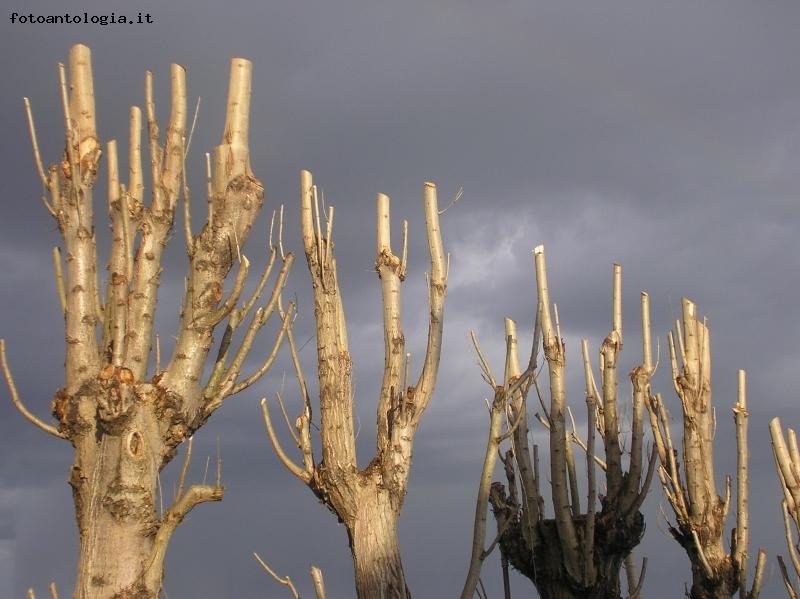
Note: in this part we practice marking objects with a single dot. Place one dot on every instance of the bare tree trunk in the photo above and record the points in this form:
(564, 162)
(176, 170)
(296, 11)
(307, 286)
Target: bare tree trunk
(124, 427)
(114, 488)
(705, 587)
(373, 543)
(368, 501)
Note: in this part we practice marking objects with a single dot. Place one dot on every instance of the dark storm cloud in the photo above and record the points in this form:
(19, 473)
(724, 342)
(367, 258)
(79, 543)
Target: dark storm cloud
(664, 136)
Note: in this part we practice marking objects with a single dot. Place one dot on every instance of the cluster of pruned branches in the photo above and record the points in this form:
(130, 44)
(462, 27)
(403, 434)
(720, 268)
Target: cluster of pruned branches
(114, 408)
(126, 419)
(580, 553)
(367, 500)
(577, 553)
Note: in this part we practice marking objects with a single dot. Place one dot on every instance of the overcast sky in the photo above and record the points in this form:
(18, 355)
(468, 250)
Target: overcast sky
(661, 135)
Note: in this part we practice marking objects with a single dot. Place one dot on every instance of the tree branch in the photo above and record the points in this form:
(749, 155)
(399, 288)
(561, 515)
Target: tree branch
(287, 319)
(299, 472)
(786, 580)
(742, 520)
(223, 381)
(637, 588)
(481, 505)
(284, 581)
(758, 577)
(437, 290)
(117, 304)
(154, 222)
(388, 267)
(187, 460)
(36, 154)
(75, 219)
(554, 353)
(333, 357)
(12, 388)
(319, 583)
(237, 199)
(195, 495)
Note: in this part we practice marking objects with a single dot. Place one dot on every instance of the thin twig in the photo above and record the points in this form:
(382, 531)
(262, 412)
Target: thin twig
(48, 428)
(454, 200)
(299, 472)
(191, 129)
(36, 154)
(184, 469)
(786, 580)
(280, 234)
(286, 419)
(487, 372)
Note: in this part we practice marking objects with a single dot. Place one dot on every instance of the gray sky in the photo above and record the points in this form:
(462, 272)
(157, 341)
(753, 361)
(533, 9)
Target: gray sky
(661, 135)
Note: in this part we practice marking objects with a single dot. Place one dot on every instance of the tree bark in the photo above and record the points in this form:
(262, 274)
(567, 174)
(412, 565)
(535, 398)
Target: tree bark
(704, 587)
(722, 582)
(373, 544)
(123, 435)
(118, 453)
(700, 512)
(368, 501)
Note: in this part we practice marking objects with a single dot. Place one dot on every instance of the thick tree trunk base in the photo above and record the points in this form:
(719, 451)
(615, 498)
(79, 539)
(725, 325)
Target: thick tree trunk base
(724, 582)
(544, 566)
(117, 529)
(723, 586)
(119, 451)
(376, 554)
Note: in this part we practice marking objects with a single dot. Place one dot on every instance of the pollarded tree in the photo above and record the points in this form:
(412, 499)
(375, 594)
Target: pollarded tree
(576, 553)
(124, 420)
(700, 512)
(368, 501)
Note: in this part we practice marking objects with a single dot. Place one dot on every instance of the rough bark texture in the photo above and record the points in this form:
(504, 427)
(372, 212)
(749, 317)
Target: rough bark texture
(700, 512)
(368, 501)
(373, 543)
(125, 425)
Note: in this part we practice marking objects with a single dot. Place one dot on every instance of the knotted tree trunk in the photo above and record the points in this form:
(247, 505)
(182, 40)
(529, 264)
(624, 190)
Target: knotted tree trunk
(125, 425)
(368, 501)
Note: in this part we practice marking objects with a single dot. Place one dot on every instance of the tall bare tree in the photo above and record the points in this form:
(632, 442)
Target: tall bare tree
(125, 420)
(787, 463)
(368, 501)
(577, 553)
(700, 512)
